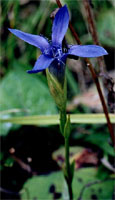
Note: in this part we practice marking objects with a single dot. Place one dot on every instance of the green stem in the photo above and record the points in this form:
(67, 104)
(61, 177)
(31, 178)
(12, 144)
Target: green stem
(63, 119)
(65, 130)
(68, 178)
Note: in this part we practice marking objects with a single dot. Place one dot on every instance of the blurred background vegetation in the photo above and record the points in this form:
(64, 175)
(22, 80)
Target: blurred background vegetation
(31, 156)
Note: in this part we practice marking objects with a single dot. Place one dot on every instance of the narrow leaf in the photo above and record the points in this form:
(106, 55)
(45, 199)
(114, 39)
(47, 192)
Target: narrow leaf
(54, 119)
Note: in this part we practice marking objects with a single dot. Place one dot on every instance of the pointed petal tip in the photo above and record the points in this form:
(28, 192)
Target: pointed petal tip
(29, 71)
(14, 31)
(65, 7)
(101, 49)
(103, 52)
(32, 71)
(10, 29)
(106, 53)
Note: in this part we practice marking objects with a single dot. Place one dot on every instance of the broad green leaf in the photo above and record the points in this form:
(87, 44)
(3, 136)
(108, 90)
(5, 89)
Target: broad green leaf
(103, 190)
(39, 187)
(54, 119)
(25, 92)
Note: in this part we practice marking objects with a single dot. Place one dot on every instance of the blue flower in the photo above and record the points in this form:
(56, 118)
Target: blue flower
(53, 54)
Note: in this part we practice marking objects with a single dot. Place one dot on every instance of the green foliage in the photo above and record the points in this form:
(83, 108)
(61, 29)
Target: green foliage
(102, 5)
(106, 35)
(101, 141)
(76, 16)
(27, 93)
(9, 162)
(39, 187)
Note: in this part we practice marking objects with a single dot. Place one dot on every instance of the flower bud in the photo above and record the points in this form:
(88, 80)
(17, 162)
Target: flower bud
(58, 89)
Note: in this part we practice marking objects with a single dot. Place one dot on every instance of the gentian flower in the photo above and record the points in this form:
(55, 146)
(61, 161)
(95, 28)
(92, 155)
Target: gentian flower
(53, 55)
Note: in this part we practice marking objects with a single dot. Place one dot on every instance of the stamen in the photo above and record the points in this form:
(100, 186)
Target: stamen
(59, 52)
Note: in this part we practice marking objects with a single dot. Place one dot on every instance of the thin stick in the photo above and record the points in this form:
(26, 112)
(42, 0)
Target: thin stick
(92, 29)
(107, 80)
(95, 78)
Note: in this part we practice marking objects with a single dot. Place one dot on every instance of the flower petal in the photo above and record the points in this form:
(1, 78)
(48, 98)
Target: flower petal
(87, 51)
(60, 25)
(42, 63)
(35, 40)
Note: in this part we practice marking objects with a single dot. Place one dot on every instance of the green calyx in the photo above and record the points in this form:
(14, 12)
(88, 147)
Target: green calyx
(58, 90)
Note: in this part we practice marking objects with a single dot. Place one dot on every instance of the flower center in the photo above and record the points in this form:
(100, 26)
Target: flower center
(56, 51)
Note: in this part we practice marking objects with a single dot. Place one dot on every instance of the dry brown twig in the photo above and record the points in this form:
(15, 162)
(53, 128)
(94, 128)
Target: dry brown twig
(107, 80)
